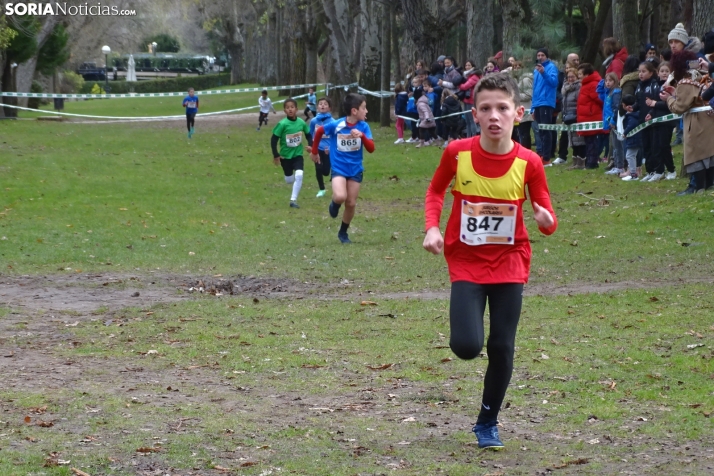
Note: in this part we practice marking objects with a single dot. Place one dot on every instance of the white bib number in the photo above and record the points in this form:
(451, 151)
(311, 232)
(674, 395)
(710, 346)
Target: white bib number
(488, 223)
(347, 143)
(191, 104)
(293, 140)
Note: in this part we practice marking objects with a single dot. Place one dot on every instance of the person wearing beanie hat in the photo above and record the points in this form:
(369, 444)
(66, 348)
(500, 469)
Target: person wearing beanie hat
(650, 51)
(544, 51)
(678, 34)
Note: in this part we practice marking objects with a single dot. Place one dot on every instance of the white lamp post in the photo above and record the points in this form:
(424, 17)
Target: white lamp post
(106, 50)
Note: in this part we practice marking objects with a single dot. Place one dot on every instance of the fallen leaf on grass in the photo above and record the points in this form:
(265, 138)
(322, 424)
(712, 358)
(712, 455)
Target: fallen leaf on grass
(44, 424)
(248, 463)
(447, 359)
(222, 469)
(368, 303)
(694, 346)
(654, 299)
(571, 463)
(380, 367)
(148, 449)
(311, 366)
(79, 472)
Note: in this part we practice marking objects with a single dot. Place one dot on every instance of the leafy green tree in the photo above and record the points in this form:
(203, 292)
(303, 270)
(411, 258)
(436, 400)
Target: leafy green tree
(54, 53)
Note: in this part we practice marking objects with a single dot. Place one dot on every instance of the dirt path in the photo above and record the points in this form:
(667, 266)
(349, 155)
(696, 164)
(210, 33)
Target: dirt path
(87, 293)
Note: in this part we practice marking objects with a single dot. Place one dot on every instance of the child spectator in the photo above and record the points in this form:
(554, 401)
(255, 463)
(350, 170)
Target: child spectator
(609, 120)
(426, 118)
(570, 93)
(289, 134)
(401, 97)
(450, 105)
(311, 104)
(412, 110)
(190, 102)
(589, 110)
(647, 94)
(266, 105)
(322, 166)
(662, 131)
(632, 144)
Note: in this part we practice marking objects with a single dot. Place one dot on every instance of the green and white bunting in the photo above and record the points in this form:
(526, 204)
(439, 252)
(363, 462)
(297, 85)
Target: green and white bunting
(592, 126)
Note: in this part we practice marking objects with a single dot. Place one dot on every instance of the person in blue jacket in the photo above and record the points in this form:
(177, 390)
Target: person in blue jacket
(545, 85)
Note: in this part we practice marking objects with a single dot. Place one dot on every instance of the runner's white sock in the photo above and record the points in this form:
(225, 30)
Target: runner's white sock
(289, 179)
(297, 185)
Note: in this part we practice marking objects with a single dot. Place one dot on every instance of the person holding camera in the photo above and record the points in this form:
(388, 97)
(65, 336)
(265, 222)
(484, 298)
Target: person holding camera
(545, 85)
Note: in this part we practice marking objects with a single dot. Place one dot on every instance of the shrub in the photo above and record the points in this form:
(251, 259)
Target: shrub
(35, 103)
(97, 89)
(70, 82)
(166, 85)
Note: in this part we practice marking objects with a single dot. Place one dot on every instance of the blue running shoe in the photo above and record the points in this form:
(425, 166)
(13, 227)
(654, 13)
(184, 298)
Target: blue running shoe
(334, 209)
(487, 435)
(344, 238)
(293, 204)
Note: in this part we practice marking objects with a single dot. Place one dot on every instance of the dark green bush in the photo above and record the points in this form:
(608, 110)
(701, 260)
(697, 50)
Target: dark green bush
(165, 85)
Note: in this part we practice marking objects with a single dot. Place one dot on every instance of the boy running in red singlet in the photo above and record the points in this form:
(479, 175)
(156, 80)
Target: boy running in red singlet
(486, 243)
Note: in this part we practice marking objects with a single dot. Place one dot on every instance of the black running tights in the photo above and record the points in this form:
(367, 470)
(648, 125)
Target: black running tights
(190, 118)
(468, 303)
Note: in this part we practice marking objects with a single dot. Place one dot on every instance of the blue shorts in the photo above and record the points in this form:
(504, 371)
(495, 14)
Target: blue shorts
(355, 178)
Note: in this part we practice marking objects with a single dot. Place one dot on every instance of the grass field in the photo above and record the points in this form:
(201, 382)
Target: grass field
(348, 372)
(166, 106)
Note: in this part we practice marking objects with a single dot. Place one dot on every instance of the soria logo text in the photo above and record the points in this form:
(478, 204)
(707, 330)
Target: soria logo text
(57, 8)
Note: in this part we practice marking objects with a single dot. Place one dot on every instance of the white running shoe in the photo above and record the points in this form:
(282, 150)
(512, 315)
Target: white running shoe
(656, 177)
(445, 144)
(614, 171)
(647, 177)
(558, 161)
(411, 141)
(670, 176)
(630, 178)
(399, 141)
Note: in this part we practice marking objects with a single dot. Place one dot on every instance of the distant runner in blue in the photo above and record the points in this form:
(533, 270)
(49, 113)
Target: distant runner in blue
(347, 136)
(190, 102)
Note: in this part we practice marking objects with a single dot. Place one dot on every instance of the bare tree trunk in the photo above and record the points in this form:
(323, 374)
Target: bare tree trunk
(340, 21)
(687, 14)
(398, 76)
(512, 23)
(26, 71)
(665, 8)
(311, 36)
(703, 13)
(595, 23)
(370, 75)
(428, 23)
(626, 24)
(479, 30)
(385, 106)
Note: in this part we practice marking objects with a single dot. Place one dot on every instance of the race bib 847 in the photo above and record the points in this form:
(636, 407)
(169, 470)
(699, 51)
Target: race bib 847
(488, 223)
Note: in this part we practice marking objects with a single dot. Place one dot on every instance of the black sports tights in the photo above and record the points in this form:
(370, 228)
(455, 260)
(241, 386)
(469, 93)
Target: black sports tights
(468, 303)
(190, 121)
